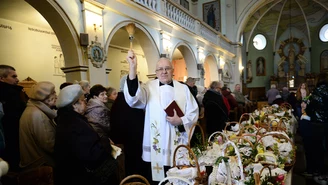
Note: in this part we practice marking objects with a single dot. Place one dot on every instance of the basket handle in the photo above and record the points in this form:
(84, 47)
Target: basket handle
(217, 132)
(190, 152)
(247, 127)
(135, 176)
(250, 117)
(257, 176)
(191, 133)
(266, 154)
(229, 123)
(286, 105)
(242, 176)
(285, 136)
(248, 141)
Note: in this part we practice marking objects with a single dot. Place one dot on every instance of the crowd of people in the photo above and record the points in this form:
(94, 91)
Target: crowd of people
(78, 131)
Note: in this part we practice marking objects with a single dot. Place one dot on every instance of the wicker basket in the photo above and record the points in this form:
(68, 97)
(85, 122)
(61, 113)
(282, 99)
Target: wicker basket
(229, 175)
(282, 135)
(246, 117)
(143, 180)
(228, 132)
(201, 178)
(224, 138)
(286, 106)
(257, 176)
(192, 130)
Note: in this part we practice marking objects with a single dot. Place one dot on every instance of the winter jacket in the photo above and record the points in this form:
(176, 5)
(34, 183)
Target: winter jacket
(79, 150)
(98, 116)
(13, 100)
(232, 101)
(317, 108)
(216, 113)
(37, 135)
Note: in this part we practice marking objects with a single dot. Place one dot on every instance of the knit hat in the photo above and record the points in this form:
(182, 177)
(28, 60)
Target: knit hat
(41, 91)
(69, 95)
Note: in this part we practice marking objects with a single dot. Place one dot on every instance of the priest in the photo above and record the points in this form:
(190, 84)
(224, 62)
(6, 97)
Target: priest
(162, 133)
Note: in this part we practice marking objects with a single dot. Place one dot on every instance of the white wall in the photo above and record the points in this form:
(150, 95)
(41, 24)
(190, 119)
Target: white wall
(120, 66)
(31, 51)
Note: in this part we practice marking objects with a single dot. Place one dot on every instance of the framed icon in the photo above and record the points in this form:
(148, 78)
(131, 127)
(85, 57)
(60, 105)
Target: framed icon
(260, 66)
(212, 14)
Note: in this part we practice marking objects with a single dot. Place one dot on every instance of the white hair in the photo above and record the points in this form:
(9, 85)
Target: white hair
(273, 86)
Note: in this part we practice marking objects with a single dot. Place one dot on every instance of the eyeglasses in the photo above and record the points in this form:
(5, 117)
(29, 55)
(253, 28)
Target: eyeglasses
(162, 69)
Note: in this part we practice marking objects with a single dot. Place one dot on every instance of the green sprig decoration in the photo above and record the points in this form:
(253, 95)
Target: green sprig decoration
(219, 160)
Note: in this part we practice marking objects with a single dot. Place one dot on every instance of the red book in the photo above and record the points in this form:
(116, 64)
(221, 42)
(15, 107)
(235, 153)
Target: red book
(175, 106)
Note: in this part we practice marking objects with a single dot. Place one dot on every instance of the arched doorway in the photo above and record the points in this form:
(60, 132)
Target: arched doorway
(211, 70)
(118, 45)
(184, 62)
(37, 40)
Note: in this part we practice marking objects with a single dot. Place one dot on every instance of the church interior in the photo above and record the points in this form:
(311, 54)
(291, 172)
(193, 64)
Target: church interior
(254, 43)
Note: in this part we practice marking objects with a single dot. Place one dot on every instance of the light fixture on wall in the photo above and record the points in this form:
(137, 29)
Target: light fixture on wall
(95, 27)
(167, 45)
(201, 55)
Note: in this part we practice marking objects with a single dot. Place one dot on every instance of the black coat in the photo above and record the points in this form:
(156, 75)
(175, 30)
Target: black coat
(216, 113)
(14, 103)
(77, 148)
(127, 126)
(317, 109)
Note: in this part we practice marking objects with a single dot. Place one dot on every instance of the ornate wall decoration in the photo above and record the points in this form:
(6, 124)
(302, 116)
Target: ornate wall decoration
(291, 52)
(96, 54)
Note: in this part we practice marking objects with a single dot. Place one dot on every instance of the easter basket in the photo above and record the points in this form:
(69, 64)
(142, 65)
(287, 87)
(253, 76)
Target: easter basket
(193, 172)
(228, 170)
(133, 178)
(232, 128)
(267, 175)
(282, 147)
(247, 119)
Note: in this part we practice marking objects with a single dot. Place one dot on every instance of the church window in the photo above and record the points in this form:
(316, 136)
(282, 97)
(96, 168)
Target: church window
(323, 34)
(259, 42)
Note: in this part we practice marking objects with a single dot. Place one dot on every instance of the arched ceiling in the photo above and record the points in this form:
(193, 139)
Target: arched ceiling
(276, 17)
(21, 11)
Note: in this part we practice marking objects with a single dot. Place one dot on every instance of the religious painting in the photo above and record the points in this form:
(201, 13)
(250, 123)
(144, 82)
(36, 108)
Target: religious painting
(324, 61)
(227, 71)
(249, 73)
(185, 4)
(212, 14)
(260, 66)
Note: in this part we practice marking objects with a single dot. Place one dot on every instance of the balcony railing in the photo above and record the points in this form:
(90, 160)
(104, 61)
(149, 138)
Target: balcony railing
(182, 17)
(178, 15)
(151, 4)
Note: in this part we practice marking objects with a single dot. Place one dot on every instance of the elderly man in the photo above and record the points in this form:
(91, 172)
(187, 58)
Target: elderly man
(238, 95)
(37, 127)
(161, 132)
(13, 100)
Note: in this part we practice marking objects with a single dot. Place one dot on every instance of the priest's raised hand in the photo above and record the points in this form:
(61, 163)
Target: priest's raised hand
(132, 59)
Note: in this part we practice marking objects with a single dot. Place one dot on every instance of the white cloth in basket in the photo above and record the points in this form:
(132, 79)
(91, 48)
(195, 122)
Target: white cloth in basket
(189, 173)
